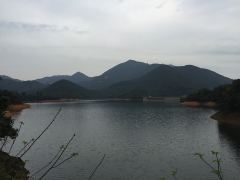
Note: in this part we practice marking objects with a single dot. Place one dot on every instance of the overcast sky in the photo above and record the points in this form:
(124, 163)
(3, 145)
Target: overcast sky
(46, 37)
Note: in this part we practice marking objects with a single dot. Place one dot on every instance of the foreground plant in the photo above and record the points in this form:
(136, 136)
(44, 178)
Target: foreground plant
(96, 168)
(25, 144)
(35, 140)
(216, 167)
(216, 170)
(49, 163)
(55, 162)
(14, 140)
(174, 174)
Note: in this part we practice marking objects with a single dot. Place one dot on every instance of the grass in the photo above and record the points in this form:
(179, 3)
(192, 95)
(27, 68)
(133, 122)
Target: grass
(14, 108)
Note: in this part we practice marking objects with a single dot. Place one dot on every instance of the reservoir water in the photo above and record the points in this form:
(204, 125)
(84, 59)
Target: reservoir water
(142, 141)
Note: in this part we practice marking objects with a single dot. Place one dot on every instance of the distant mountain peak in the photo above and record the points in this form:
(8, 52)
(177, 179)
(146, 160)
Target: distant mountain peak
(75, 78)
(166, 80)
(7, 77)
(64, 89)
(130, 77)
(131, 61)
(79, 74)
(191, 66)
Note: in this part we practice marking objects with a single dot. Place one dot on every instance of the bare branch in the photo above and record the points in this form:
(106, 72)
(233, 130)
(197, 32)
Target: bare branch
(99, 164)
(63, 161)
(21, 123)
(220, 174)
(50, 162)
(55, 162)
(4, 143)
(26, 144)
(41, 133)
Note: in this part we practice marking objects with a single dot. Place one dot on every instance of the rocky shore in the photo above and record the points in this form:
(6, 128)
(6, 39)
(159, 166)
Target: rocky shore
(12, 168)
(227, 117)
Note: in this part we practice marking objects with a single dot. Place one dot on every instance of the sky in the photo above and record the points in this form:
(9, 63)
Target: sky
(48, 37)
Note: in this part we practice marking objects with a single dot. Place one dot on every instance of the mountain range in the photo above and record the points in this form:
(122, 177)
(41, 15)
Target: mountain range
(10, 84)
(76, 78)
(129, 79)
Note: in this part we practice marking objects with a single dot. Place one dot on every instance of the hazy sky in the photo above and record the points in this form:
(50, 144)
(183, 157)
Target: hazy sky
(46, 37)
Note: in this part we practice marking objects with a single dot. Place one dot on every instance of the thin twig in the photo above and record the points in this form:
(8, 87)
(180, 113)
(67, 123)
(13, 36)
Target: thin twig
(99, 164)
(24, 147)
(4, 143)
(50, 162)
(55, 162)
(70, 157)
(21, 123)
(219, 167)
(174, 173)
(217, 170)
(41, 133)
(209, 165)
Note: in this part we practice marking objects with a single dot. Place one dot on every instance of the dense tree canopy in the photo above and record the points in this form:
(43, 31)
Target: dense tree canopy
(227, 97)
(7, 98)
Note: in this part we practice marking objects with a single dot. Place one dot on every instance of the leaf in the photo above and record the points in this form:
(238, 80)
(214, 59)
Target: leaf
(216, 172)
(174, 172)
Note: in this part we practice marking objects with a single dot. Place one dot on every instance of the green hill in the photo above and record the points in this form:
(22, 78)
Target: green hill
(64, 89)
(75, 78)
(122, 72)
(128, 79)
(168, 80)
(20, 86)
(227, 97)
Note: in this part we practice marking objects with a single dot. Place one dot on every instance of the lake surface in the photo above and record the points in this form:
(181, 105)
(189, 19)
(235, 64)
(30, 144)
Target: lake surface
(142, 141)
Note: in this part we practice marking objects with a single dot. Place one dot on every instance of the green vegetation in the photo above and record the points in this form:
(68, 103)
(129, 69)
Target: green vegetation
(227, 97)
(64, 89)
(7, 98)
(170, 81)
(10, 167)
(75, 78)
(6, 129)
(215, 166)
(7, 83)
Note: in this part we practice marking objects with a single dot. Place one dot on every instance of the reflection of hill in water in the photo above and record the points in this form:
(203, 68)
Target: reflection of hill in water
(231, 135)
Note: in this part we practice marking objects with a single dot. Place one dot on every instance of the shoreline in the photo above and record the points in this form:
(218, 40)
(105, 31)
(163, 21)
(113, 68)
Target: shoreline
(231, 118)
(12, 167)
(223, 117)
(144, 99)
(15, 108)
(77, 100)
(196, 104)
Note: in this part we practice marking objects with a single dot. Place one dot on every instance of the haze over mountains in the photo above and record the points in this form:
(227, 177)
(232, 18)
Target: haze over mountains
(122, 72)
(77, 78)
(128, 79)
(8, 83)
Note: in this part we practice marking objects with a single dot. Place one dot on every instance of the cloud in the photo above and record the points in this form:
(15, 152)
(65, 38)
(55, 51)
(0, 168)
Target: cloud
(161, 5)
(33, 27)
(103, 33)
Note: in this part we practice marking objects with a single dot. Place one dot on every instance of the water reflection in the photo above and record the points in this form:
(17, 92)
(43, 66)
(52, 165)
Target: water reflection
(230, 134)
